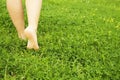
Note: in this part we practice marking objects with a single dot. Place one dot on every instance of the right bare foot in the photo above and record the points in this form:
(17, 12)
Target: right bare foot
(32, 38)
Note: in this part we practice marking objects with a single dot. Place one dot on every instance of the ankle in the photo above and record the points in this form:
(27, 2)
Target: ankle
(32, 27)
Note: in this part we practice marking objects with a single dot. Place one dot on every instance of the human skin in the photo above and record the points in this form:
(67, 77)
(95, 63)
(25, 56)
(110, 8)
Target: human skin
(16, 13)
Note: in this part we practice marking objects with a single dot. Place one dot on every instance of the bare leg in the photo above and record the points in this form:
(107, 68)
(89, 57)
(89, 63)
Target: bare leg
(16, 13)
(33, 12)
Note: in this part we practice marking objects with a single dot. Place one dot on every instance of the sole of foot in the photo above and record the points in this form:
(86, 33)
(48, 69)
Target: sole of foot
(32, 38)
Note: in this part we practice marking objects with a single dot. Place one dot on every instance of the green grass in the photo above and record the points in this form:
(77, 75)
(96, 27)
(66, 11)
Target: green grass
(79, 40)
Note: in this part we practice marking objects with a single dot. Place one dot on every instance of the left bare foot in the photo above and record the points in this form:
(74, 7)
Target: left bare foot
(21, 36)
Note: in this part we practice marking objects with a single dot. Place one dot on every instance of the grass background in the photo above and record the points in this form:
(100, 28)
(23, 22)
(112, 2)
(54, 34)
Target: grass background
(79, 40)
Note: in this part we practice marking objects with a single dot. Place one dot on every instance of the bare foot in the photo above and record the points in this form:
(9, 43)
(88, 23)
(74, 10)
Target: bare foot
(22, 36)
(32, 38)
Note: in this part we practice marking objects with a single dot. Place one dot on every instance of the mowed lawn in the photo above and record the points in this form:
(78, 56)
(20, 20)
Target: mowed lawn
(79, 40)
